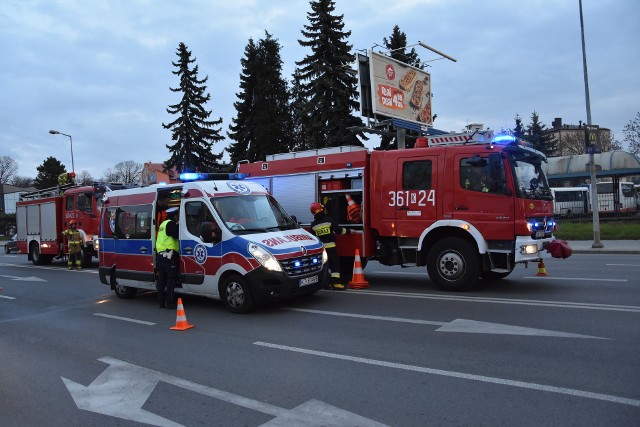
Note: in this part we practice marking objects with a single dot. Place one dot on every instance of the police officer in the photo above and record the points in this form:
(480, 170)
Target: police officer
(326, 228)
(167, 246)
(74, 241)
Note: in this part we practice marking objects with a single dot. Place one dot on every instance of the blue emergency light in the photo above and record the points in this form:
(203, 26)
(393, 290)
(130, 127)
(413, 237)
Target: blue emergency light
(196, 176)
(504, 138)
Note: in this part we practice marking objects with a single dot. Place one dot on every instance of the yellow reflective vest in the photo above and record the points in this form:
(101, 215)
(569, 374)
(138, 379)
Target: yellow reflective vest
(164, 241)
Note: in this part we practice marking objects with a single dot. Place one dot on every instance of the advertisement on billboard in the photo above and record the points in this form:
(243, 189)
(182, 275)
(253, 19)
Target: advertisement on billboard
(400, 90)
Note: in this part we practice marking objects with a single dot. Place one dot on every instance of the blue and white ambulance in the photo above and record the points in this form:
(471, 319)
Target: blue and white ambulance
(237, 244)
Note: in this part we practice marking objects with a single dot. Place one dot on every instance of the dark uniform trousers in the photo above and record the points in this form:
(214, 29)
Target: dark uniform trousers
(167, 274)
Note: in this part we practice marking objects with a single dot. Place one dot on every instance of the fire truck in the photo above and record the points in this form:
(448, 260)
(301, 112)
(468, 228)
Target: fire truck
(466, 206)
(43, 215)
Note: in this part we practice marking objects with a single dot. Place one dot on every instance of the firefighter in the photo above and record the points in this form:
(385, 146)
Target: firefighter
(167, 258)
(74, 241)
(326, 229)
(483, 184)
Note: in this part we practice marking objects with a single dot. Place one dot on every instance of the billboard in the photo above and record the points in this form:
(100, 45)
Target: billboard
(399, 90)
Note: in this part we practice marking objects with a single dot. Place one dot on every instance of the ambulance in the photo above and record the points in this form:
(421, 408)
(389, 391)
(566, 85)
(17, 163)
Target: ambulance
(236, 243)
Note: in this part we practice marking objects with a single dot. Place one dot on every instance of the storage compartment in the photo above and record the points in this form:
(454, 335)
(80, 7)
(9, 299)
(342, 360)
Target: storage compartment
(334, 184)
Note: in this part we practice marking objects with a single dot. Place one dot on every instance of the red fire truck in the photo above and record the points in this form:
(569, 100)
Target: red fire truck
(43, 215)
(466, 206)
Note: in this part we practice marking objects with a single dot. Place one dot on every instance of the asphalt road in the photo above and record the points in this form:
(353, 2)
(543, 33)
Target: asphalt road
(526, 351)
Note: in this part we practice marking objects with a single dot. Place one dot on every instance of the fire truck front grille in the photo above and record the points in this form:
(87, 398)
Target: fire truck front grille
(302, 265)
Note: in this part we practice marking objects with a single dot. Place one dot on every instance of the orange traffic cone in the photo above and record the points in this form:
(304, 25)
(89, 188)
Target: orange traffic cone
(542, 270)
(181, 319)
(354, 211)
(358, 281)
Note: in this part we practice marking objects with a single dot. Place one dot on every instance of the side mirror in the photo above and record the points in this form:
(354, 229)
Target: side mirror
(210, 232)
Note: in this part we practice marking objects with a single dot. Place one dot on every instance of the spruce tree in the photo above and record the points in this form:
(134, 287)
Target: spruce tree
(193, 133)
(519, 130)
(396, 46)
(263, 125)
(48, 173)
(299, 121)
(327, 80)
(539, 138)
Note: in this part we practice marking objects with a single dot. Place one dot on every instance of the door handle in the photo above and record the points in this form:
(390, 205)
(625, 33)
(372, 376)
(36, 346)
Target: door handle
(462, 208)
(143, 249)
(188, 250)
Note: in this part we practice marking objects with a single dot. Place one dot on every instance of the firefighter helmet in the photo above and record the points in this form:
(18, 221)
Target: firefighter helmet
(72, 222)
(316, 207)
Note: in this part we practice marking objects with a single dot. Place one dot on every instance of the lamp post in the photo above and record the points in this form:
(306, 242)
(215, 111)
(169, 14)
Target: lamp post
(592, 166)
(55, 132)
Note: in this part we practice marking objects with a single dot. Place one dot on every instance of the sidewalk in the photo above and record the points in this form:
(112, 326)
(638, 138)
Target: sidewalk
(610, 247)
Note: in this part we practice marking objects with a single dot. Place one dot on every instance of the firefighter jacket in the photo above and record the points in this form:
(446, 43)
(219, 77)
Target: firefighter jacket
(326, 229)
(74, 240)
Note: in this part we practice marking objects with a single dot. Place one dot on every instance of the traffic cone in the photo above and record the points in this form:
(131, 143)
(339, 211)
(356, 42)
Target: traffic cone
(181, 319)
(542, 270)
(354, 211)
(358, 281)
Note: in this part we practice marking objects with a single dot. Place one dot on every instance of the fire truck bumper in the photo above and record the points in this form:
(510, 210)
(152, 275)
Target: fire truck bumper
(528, 249)
(269, 286)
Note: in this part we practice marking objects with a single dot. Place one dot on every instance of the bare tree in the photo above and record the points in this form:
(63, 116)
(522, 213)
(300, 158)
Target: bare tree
(21, 181)
(632, 134)
(127, 172)
(84, 178)
(8, 168)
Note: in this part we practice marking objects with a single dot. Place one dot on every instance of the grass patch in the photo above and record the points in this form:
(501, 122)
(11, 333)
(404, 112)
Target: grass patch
(609, 230)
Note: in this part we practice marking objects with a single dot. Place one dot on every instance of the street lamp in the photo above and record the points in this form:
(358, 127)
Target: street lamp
(55, 132)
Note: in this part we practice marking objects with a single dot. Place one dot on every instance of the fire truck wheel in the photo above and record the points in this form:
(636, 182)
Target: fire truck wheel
(235, 294)
(87, 258)
(492, 275)
(453, 264)
(37, 258)
(124, 292)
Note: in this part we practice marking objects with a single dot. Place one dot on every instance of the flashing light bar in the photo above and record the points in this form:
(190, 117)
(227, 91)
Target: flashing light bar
(197, 176)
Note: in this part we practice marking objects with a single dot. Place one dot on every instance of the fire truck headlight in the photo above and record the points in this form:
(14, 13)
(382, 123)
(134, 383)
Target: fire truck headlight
(265, 258)
(529, 249)
(325, 257)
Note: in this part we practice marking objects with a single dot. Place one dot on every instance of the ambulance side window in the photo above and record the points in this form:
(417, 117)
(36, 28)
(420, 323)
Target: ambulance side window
(195, 214)
(416, 175)
(133, 222)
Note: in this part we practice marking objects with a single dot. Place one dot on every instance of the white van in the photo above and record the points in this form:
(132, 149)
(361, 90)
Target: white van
(237, 244)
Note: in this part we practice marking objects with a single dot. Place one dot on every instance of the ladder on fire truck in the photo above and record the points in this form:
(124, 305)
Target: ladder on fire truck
(45, 192)
(463, 138)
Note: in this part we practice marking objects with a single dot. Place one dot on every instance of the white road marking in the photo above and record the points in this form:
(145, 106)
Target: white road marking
(623, 265)
(458, 325)
(583, 279)
(126, 319)
(55, 268)
(560, 304)
(6, 297)
(461, 375)
(123, 388)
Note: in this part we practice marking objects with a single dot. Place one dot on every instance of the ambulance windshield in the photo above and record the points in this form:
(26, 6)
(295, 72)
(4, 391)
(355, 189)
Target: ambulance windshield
(530, 180)
(252, 214)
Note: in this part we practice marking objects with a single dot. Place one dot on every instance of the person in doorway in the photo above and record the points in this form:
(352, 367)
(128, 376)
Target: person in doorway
(161, 210)
(326, 228)
(167, 258)
(74, 242)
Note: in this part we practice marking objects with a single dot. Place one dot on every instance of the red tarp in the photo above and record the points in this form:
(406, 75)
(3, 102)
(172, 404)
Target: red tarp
(559, 249)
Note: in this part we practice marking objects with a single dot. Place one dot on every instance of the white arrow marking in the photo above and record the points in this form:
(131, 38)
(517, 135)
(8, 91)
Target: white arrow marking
(123, 388)
(458, 325)
(24, 279)
(475, 327)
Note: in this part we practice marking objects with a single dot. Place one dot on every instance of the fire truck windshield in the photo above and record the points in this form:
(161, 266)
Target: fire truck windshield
(530, 180)
(252, 214)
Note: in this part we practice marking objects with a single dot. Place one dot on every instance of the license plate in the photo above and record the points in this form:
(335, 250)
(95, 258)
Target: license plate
(539, 234)
(308, 280)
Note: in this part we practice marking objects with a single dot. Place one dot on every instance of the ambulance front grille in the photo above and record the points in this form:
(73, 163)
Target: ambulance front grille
(302, 265)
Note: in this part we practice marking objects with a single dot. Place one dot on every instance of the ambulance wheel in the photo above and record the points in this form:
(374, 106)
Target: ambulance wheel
(124, 292)
(235, 294)
(453, 264)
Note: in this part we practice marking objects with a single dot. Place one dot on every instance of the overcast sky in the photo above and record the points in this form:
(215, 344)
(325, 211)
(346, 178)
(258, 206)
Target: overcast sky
(100, 71)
